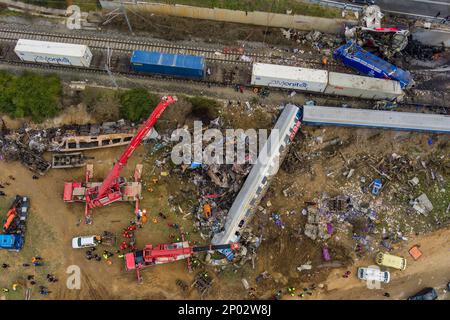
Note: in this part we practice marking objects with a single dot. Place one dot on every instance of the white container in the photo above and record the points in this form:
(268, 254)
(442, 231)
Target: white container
(350, 85)
(53, 52)
(287, 77)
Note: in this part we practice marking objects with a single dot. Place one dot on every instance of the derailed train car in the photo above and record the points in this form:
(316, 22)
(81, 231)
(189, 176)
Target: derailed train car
(322, 81)
(364, 62)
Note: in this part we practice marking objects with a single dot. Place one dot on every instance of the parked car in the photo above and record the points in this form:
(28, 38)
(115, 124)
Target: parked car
(388, 260)
(85, 242)
(373, 274)
(425, 294)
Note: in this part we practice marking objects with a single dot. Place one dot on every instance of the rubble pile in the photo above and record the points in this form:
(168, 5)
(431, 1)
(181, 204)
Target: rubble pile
(28, 144)
(316, 39)
(413, 196)
(12, 148)
(217, 186)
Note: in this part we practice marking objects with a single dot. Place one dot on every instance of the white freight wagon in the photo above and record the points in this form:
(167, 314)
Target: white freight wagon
(304, 79)
(53, 52)
(351, 85)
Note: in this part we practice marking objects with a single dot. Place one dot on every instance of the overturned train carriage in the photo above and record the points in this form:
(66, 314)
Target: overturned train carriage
(258, 180)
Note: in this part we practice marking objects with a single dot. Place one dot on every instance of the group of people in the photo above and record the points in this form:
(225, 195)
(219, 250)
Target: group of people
(91, 255)
(37, 262)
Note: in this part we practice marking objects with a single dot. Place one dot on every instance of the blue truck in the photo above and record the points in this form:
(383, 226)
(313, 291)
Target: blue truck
(366, 63)
(11, 242)
(174, 65)
(14, 227)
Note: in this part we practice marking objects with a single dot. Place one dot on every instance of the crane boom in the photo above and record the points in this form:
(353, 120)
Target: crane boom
(111, 181)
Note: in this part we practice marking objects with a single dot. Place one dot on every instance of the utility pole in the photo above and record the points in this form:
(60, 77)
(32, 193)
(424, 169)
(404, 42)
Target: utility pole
(117, 12)
(108, 66)
(124, 12)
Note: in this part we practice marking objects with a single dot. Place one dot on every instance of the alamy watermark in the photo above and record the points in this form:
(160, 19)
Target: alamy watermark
(74, 17)
(373, 283)
(73, 281)
(211, 147)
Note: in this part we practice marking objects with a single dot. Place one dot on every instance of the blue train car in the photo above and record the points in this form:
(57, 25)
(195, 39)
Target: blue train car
(364, 62)
(178, 65)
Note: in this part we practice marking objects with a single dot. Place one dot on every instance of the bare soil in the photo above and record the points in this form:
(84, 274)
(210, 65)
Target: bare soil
(53, 223)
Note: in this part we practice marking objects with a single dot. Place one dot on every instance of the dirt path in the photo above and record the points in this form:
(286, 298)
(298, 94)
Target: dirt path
(431, 270)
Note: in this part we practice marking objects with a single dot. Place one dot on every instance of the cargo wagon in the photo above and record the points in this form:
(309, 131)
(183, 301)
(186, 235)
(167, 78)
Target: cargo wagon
(351, 85)
(279, 76)
(174, 65)
(53, 53)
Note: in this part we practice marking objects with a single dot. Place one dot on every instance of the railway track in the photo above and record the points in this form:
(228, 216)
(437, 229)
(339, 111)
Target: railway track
(438, 108)
(128, 45)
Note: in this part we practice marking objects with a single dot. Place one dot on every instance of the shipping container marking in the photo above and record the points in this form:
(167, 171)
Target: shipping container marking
(282, 83)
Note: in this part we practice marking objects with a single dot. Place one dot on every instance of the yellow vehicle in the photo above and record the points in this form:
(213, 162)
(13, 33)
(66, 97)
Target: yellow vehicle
(388, 260)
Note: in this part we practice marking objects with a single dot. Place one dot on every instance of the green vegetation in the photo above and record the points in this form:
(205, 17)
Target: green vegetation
(277, 6)
(103, 104)
(85, 5)
(204, 108)
(30, 95)
(137, 104)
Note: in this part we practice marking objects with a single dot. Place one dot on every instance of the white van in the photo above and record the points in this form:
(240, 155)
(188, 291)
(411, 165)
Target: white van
(373, 274)
(85, 242)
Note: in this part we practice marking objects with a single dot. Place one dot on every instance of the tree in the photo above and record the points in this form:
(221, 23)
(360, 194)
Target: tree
(137, 104)
(30, 95)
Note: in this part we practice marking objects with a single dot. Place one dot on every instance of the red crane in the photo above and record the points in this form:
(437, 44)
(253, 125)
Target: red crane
(165, 253)
(115, 188)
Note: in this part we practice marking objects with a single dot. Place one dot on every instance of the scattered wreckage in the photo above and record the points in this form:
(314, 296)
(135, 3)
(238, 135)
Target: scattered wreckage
(28, 145)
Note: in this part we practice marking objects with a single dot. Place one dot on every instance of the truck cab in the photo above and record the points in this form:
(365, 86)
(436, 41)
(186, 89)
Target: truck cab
(11, 242)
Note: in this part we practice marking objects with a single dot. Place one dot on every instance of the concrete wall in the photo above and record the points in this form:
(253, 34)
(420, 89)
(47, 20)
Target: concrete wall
(252, 17)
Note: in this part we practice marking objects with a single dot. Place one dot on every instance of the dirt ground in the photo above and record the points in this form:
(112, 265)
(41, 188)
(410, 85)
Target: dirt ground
(431, 270)
(53, 223)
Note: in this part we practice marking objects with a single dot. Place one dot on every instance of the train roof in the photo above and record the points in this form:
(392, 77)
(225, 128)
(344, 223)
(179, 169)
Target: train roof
(289, 72)
(53, 48)
(168, 59)
(268, 162)
(320, 115)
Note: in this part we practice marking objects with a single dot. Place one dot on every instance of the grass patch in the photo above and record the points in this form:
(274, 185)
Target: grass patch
(278, 6)
(30, 95)
(103, 104)
(85, 5)
(204, 108)
(4, 206)
(137, 104)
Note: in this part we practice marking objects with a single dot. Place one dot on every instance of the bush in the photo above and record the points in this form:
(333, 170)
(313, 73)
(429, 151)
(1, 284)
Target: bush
(103, 104)
(30, 95)
(204, 108)
(137, 104)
